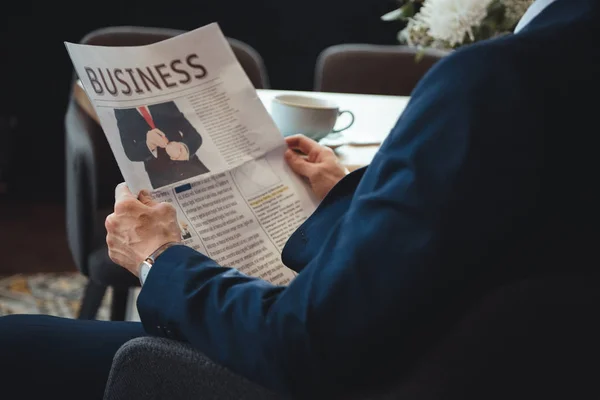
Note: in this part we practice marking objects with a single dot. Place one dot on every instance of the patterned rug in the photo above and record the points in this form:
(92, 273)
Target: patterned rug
(51, 294)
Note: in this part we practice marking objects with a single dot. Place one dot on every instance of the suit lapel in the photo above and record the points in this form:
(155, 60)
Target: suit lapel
(140, 121)
(302, 246)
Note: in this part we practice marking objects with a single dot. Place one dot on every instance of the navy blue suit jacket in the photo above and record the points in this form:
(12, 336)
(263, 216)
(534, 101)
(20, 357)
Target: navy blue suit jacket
(489, 176)
(161, 170)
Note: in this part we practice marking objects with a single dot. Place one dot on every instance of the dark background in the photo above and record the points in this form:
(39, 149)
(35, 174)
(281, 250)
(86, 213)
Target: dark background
(36, 72)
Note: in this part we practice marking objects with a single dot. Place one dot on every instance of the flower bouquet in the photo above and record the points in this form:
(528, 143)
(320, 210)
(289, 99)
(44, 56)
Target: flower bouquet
(449, 24)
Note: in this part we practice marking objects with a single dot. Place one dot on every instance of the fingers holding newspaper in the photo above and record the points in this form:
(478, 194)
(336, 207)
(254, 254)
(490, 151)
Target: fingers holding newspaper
(319, 165)
(137, 227)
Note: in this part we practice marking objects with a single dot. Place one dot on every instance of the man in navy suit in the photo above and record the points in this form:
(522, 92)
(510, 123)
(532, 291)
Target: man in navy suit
(487, 178)
(161, 137)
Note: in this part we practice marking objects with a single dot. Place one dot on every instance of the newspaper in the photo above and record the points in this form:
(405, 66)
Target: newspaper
(184, 122)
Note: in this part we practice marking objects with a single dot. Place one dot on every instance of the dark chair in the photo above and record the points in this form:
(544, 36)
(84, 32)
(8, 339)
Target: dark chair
(92, 174)
(372, 69)
(533, 339)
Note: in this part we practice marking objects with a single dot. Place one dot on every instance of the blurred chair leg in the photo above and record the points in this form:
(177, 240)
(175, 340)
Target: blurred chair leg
(118, 307)
(92, 299)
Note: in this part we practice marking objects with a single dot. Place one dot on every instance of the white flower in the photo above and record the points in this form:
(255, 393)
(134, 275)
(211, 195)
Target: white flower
(415, 34)
(452, 20)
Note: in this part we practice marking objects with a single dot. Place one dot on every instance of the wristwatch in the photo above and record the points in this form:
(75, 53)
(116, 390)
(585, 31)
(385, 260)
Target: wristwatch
(144, 268)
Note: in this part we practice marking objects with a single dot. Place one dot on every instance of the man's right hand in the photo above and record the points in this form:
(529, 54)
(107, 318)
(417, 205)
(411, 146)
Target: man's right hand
(155, 138)
(320, 166)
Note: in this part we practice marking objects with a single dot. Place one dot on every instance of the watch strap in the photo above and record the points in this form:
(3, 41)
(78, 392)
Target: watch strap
(145, 265)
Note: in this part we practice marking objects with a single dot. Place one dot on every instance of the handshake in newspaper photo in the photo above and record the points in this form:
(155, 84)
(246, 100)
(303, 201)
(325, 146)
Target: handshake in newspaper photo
(161, 137)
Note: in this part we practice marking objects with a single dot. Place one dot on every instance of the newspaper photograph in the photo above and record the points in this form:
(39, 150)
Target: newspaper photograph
(185, 123)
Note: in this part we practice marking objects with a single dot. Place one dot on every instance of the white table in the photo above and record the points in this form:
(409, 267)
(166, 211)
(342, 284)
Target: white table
(375, 116)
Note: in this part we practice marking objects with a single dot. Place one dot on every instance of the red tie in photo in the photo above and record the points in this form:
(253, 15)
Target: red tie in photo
(146, 114)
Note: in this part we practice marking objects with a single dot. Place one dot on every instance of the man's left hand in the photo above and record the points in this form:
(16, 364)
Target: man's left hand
(138, 227)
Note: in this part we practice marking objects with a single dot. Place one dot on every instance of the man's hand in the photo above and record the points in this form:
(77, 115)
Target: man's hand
(178, 151)
(320, 166)
(138, 227)
(156, 138)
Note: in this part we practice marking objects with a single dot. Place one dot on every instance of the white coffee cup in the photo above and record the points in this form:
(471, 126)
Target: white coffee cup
(311, 116)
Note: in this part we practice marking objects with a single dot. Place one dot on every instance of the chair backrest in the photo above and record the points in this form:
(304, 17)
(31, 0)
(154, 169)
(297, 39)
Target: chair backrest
(538, 338)
(250, 60)
(372, 69)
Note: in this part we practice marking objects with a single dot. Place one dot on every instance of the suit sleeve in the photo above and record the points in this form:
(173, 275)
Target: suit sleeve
(432, 205)
(189, 135)
(133, 136)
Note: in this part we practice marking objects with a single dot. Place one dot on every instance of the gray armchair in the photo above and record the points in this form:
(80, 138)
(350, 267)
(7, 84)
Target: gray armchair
(534, 339)
(372, 69)
(155, 368)
(92, 174)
